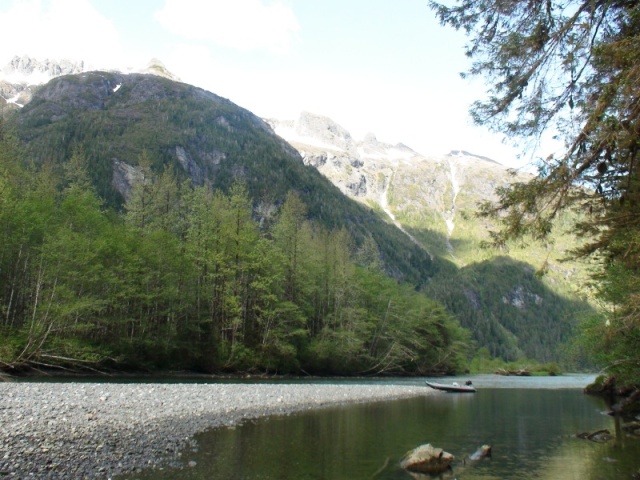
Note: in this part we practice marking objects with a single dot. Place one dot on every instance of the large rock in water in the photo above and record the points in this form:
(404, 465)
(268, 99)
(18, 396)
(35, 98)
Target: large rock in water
(427, 459)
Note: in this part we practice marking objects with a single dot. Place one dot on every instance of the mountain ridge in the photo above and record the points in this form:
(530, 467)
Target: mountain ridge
(433, 199)
(22, 74)
(369, 170)
(116, 117)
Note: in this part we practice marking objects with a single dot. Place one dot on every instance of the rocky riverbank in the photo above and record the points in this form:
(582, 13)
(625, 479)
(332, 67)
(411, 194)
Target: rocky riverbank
(98, 430)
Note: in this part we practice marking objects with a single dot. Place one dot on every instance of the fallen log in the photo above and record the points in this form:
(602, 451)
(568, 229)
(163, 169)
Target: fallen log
(599, 436)
(518, 373)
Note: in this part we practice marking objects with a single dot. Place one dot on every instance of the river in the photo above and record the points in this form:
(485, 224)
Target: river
(531, 424)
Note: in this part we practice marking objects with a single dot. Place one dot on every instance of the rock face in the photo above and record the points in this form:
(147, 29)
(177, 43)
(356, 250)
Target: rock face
(22, 75)
(156, 67)
(27, 70)
(360, 169)
(30, 71)
(124, 177)
(433, 191)
(427, 459)
(116, 117)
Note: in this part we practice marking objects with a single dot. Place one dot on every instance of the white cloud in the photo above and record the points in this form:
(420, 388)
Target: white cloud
(192, 63)
(241, 24)
(57, 29)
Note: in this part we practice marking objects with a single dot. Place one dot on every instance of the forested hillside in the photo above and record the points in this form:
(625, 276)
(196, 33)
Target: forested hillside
(185, 277)
(164, 278)
(510, 311)
(202, 137)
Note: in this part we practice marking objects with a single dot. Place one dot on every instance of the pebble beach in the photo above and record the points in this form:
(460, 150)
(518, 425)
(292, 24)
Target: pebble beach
(100, 430)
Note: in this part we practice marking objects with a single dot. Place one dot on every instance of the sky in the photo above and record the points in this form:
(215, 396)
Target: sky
(373, 66)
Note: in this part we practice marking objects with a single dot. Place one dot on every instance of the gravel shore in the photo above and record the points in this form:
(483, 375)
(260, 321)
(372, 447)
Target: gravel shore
(98, 430)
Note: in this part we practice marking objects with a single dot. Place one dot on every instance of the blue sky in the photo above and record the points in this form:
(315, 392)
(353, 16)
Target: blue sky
(378, 66)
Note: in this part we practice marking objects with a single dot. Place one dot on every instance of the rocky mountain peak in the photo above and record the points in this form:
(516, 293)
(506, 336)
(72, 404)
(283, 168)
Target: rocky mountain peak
(314, 130)
(24, 72)
(156, 67)
(396, 178)
(323, 129)
(28, 70)
(370, 139)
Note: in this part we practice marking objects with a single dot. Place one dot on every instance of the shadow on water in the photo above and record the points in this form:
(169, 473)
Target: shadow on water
(532, 433)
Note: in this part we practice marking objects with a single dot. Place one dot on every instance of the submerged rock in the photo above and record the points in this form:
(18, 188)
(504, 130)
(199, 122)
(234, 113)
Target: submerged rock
(483, 452)
(427, 459)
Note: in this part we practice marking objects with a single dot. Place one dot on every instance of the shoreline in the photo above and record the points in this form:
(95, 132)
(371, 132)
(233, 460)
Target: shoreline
(99, 430)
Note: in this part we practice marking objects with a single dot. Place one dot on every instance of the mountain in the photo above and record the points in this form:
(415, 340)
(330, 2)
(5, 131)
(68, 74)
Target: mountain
(418, 209)
(115, 117)
(30, 71)
(499, 296)
(415, 191)
(432, 198)
(23, 74)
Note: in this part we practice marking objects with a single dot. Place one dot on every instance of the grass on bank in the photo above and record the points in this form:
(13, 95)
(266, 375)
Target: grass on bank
(483, 363)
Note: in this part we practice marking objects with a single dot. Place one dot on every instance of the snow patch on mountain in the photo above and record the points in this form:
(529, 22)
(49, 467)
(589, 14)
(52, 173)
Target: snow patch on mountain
(384, 204)
(14, 100)
(455, 187)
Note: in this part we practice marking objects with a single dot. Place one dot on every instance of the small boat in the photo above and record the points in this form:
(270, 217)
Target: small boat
(454, 387)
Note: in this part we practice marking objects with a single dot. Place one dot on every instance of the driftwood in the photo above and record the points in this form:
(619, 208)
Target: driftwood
(47, 365)
(483, 452)
(599, 436)
(632, 428)
(629, 405)
(519, 373)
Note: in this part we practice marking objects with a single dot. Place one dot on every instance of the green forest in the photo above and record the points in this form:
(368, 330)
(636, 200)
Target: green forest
(184, 277)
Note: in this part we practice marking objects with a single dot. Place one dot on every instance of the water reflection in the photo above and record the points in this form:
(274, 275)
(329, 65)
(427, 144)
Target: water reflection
(532, 433)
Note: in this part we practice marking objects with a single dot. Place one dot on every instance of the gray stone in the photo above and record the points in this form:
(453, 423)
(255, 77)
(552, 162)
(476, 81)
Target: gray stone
(427, 459)
(93, 430)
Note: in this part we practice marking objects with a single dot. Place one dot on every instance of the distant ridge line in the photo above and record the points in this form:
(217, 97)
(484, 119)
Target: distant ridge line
(457, 153)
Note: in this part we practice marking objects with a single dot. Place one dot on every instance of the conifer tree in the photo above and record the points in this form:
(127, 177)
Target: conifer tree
(569, 68)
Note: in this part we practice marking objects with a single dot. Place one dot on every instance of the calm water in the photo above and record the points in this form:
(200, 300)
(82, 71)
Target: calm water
(531, 431)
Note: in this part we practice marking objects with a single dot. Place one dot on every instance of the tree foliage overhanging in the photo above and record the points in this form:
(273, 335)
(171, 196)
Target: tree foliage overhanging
(573, 69)
(185, 278)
